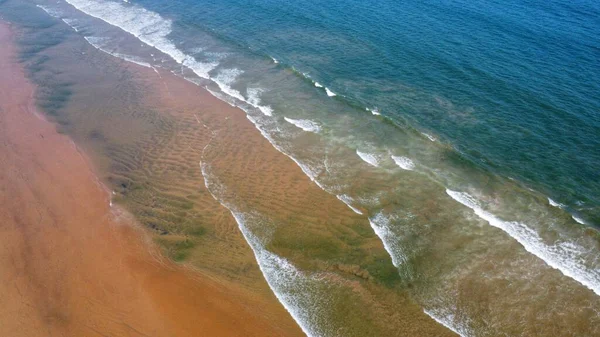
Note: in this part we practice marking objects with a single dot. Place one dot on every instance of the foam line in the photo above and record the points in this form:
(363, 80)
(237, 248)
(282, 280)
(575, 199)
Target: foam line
(225, 78)
(254, 100)
(369, 158)
(448, 322)
(381, 226)
(430, 137)
(404, 163)
(147, 26)
(71, 23)
(304, 124)
(374, 112)
(280, 274)
(555, 204)
(96, 42)
(52, 12)
(567, 257)
(348, 201)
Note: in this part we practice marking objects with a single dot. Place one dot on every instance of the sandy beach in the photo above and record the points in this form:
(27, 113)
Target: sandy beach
(71, 265)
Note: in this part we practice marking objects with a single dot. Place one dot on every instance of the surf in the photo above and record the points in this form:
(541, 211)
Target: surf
(567, 261)
(304, 124)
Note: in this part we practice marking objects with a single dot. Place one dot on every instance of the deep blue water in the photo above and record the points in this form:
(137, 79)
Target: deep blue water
(514, 85)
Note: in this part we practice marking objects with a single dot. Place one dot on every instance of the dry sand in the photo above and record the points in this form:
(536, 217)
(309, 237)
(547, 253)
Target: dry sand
(71, 265)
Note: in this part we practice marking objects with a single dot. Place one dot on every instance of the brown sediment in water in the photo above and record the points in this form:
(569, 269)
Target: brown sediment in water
(71, 265)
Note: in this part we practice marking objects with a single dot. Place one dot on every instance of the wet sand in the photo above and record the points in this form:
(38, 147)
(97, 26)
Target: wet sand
(72, 265)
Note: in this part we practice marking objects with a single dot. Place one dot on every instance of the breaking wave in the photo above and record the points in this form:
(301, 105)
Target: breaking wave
(404, 163)
(369, 158)
(567, 257)
(304, 124)
(147, 26)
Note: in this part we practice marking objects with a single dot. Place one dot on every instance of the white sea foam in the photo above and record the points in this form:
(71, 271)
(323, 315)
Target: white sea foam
(134, 59)
(369, 158)
(71, 23)
(430, 137)
(404, 163)
(227, 99)
(284, 279)
(449, 322)
(310, 172)
(578, 219)
(99, 43)
(555, 204)
(51, 11)
(304, 124)
(147, 26)
(225, 78)
(374, 111)
(330, 93)
(381, 226)
(561, 256)
(254, 100)
(318, 85)
(346, 199)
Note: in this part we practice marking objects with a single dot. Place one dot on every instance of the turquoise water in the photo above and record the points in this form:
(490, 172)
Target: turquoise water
(467, 133)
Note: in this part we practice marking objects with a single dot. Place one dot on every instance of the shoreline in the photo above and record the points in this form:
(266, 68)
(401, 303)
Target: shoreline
(147, 131)
(468, 247)
(74, 265)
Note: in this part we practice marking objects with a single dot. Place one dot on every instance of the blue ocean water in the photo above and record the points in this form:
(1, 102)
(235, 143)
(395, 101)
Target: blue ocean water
(512, 85)
(466, 133)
